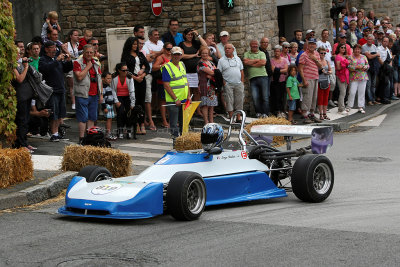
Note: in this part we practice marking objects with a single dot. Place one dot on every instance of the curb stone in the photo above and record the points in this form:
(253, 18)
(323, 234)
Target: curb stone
(35, 194)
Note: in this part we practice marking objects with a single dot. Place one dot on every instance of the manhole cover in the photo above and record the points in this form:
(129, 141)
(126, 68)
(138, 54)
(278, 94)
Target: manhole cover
(370, 159)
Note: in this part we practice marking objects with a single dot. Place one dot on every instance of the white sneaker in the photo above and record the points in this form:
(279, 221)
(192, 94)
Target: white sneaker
(344, 112)
(73, 106)
(361, 110)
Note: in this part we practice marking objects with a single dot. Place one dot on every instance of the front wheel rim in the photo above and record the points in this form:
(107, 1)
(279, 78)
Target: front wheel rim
(196, 196)
(100, 177)
(322, 178)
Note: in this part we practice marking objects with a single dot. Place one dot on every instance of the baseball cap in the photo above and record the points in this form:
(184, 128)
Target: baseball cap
(380, 31)
(312, 40)
(176, 50)
(224, 33)
(342, 35)
(366, 28)
(309, 31)
(49, 43)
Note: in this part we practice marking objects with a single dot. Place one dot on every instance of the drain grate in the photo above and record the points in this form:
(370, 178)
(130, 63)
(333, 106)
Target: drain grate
(370, 159)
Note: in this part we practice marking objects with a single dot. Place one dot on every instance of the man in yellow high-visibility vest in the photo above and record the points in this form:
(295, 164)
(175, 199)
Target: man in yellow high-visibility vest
(176, 89)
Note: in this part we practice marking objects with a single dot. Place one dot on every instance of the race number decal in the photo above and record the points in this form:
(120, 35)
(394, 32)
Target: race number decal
(244, 154)
(105, 189)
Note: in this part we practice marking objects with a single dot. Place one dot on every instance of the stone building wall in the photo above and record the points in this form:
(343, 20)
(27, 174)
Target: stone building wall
(381, 8)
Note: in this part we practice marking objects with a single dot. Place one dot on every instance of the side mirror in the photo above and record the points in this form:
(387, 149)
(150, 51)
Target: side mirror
(321, 139)
(213, 151)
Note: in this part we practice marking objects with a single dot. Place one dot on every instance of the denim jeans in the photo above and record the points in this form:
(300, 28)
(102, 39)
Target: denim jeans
(371, 86)
(175, 115)
(260, 91)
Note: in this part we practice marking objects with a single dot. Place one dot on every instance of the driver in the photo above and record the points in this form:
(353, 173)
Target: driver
(212, 136)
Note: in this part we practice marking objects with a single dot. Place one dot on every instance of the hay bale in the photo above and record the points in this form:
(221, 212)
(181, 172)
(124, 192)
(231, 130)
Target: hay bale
(270, 120)
(76, 157)
(188, 141)
(16, 166)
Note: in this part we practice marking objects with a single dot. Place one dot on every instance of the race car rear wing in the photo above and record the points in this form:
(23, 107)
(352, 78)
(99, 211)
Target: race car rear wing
(321, 136)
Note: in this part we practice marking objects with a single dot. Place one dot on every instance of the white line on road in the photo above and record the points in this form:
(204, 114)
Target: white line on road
(143, 154)
(46, 162)
(161, 140)
(146, 145)
(374, 122)
(142, 163)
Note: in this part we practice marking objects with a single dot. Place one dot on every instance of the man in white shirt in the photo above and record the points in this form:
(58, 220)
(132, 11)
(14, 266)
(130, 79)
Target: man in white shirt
(371, 52)
(324, 43)
(153, 48)
(224, 37)
(385, 59)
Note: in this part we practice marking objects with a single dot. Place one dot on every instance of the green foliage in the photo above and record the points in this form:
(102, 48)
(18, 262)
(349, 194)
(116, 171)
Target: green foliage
(8, 57)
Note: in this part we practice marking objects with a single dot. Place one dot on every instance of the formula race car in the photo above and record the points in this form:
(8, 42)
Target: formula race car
(183, 183)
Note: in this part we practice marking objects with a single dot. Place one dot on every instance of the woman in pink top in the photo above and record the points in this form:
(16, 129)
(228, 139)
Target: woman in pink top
(342, 73)
(278, 85)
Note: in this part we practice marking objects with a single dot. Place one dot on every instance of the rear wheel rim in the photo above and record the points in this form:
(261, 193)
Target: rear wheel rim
(322, 178)
(196, 196)
(100, 177)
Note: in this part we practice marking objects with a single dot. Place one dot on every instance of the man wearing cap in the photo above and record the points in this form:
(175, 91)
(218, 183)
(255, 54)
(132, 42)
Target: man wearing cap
(224, 37)
(172, 35)
(231, 68)
(176, 89)
(298, 35)
(343, 41)
(309, 63)
(366, 32)
(379, 37)
(309, 34)
(52, 68)
(259, 81)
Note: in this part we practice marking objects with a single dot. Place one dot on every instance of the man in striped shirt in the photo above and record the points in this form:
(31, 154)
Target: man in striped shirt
(309, 63)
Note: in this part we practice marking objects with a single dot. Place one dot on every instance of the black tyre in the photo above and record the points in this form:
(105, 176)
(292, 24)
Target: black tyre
(186, 196)
(94, 173)
(312, 178)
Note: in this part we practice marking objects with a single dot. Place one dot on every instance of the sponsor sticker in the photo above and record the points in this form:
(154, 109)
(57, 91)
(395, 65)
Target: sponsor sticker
(244, 154)
(105, 189)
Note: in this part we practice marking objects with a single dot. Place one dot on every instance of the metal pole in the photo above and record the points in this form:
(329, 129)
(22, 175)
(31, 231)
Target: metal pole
(204, 17)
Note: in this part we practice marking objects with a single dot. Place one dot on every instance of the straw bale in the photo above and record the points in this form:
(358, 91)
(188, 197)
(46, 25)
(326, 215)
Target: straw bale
(16, 166)
(188, 141)
(76, 157)
(270, 120)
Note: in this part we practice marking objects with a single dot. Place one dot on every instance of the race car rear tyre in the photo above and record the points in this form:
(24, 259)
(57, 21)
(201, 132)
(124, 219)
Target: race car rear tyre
(312, 178)
(94, 173)
(186, 196)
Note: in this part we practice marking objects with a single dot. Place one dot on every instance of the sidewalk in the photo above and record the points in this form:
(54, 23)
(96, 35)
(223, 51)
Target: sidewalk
(49, 181)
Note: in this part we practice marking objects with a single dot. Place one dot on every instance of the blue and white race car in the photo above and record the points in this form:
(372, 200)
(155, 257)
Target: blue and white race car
(183, 183)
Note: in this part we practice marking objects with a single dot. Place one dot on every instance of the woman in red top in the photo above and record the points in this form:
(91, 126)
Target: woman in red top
(342, 74)
(158, 64)
(123, 88)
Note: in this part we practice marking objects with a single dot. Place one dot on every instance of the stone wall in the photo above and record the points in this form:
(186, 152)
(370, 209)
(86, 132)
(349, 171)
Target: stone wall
(381, 8)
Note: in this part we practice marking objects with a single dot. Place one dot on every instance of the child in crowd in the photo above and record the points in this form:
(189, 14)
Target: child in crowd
(108, 104)
(50, 23)
(87, 35)
(292, 89)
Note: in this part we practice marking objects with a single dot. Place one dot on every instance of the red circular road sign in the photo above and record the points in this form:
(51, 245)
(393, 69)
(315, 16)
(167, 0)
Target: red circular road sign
(156, 7)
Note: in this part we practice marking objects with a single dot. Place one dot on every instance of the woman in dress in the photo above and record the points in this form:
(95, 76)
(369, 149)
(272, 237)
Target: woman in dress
(205, 69)
(158, 64)
(342, 74)
(323, 85)
(123, 89)
(139, 68)
(279, 67)
(358, 79)
(190, 58)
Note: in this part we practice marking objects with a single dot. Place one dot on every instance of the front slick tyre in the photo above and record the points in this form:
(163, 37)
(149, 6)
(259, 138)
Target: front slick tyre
(312, 178)
(186, 196)
(94, 173)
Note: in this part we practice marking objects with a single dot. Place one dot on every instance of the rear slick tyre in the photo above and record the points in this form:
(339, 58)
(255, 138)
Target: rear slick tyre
(312, 178)
(186, 196)
(94, 173)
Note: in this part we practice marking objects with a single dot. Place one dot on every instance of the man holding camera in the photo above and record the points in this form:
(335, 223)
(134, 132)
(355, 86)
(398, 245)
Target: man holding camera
(53, 68)
(87, 89)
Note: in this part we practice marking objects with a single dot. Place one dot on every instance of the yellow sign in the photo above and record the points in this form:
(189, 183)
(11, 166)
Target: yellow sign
(187, 112)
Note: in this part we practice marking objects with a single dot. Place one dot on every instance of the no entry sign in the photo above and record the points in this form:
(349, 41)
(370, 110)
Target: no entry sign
(156, 7)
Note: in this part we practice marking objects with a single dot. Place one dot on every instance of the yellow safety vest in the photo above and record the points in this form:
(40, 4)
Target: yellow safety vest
(178, 83)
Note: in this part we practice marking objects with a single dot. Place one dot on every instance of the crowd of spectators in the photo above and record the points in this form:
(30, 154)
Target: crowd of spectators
(305, 75)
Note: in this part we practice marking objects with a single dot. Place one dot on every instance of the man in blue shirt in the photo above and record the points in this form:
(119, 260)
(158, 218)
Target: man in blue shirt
(173, 36)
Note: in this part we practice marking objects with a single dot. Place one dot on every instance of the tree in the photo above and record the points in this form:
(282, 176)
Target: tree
(8, 59)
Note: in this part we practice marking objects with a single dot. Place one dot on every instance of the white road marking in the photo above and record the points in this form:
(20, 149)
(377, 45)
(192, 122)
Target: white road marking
(143, 154)
(161, 140)
(46, 162)
(147, 145)
(142, 163)
(374, 122)
(334, 115)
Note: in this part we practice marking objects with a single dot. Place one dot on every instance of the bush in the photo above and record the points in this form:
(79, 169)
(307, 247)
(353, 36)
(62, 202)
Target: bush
(8, 59)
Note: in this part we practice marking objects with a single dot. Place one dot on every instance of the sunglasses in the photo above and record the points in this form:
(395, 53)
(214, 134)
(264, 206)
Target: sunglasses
(124, 70)
(95, 44)
(168, 48)
(343, 47)
(323, 53)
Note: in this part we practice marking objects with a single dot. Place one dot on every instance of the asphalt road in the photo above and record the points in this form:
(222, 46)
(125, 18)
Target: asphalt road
(358, 225)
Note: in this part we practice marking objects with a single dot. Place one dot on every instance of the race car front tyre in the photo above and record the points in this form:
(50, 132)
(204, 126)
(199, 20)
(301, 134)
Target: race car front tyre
(186, 196)
(94, 173)
(312, 178)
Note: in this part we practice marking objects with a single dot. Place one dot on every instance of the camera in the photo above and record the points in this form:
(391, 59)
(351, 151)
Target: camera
(27, 61)
(55, 26)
